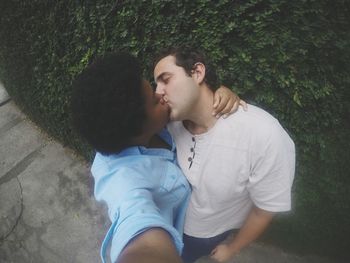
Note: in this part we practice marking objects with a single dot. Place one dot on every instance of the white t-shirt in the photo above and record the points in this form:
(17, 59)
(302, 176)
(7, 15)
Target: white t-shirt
(245, 159)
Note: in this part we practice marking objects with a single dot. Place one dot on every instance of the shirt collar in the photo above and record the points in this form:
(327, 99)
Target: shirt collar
(141, 150)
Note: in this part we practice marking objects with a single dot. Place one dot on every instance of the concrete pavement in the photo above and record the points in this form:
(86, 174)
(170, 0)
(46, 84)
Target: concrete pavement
(47, 210)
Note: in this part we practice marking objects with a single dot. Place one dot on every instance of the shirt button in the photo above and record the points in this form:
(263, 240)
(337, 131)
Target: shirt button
(190, 159)
(193, 139)
(192, 150)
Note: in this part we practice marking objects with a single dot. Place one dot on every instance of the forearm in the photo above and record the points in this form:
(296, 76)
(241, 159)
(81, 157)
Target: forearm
(152, 246)
(255, 224)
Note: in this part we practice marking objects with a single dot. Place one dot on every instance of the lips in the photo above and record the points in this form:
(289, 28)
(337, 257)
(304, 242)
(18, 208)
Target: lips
(164, 100)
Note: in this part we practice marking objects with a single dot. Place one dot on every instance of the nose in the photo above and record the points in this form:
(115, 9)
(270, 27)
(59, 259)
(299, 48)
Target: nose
(160, 89)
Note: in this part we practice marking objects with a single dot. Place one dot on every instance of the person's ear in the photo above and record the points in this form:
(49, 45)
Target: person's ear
(198, 72)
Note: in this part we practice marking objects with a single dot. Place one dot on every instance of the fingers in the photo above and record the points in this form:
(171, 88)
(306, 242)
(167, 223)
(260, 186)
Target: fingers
(243, 104)
(224, 107)
(221, 105)
(217, 99)
(231, 107)
(226, 102)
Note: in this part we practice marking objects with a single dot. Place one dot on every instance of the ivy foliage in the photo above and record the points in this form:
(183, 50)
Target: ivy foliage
(289, 57)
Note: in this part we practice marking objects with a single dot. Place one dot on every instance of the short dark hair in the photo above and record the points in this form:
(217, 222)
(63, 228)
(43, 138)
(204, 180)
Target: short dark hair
(108, 105)
(186, 58)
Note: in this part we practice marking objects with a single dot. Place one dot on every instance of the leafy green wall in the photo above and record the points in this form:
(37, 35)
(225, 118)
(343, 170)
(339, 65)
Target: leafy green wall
(289, 57)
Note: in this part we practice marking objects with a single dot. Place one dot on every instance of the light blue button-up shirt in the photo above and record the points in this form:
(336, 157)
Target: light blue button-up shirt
(143, 188)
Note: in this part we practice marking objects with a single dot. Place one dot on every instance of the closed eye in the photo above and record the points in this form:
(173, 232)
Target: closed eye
(164, 78)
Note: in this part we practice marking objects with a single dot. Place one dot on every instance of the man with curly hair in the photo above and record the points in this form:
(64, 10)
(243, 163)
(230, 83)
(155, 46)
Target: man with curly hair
(135, 168)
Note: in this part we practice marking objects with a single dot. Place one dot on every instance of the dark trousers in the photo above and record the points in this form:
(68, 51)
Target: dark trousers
(197, 247)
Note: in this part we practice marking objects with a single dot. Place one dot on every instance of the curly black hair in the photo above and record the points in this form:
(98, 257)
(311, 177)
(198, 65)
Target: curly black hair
(107, 104)
(187, 57)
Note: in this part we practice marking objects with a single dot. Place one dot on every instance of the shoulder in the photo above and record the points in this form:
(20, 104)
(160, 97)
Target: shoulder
(116, 177)
(122, 169)
(258, 126)
(253, 122)
(253, 117)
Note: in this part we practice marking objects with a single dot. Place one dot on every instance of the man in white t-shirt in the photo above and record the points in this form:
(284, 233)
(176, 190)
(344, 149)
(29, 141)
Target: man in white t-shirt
(240, 168)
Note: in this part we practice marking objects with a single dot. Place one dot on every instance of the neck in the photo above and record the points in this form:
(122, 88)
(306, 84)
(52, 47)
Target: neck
(153, 141)
(157, 142)
(200, 120)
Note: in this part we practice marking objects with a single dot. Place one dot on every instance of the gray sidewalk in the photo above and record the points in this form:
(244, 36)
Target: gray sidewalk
(47, 210)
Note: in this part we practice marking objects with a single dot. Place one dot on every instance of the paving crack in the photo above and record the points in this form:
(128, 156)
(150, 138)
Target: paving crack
(5, 102)
(3, 238)
(10, 125)
(21, 166)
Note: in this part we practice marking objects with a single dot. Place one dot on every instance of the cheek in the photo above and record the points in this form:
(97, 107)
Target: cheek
(189, 94)
(177, 87)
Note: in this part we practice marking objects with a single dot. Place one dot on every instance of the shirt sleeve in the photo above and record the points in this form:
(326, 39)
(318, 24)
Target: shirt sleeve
(138, 214)
(273, 168)
(131, 207)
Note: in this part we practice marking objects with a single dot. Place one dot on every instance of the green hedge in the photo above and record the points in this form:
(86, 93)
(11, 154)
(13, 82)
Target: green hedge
(289, 57)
